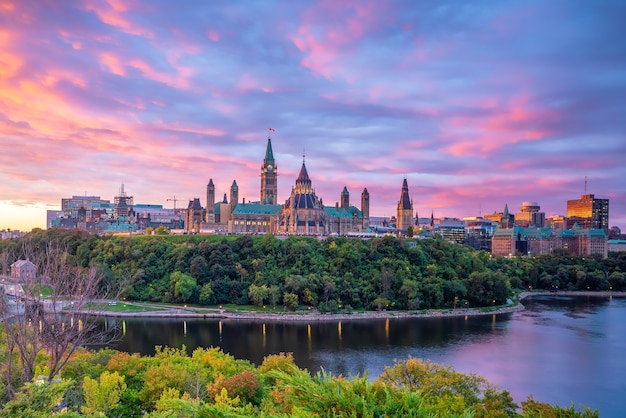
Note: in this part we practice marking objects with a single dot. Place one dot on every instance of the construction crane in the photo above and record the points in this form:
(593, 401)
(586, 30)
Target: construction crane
(174, 200)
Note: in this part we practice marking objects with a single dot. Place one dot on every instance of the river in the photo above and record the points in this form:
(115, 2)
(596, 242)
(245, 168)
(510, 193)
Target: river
(560, 349)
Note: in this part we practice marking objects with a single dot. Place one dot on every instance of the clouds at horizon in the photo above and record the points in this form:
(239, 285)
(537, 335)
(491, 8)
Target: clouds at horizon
(477, 104)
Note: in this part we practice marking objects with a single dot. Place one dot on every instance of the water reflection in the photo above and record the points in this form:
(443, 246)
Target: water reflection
(559, 349)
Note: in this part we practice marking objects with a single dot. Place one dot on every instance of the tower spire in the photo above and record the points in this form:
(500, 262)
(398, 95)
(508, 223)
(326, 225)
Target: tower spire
(269, 173)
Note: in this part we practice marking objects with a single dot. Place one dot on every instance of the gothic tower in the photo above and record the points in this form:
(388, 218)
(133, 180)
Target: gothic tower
(505, 222)
(404, 216)
(345, 198)
(234, 196)
(210, 202)
(269, 177)
(365, 208)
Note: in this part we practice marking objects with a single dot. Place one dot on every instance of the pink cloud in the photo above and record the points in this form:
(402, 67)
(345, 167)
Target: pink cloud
(516, 121)
(112, 63)
(213, 35)
(111, 12)
(326, 46)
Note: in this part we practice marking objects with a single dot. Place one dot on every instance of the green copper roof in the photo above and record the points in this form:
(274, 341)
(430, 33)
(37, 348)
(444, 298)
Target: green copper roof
(524, 233)
(256, 208)
(269, 155)
(334, 212)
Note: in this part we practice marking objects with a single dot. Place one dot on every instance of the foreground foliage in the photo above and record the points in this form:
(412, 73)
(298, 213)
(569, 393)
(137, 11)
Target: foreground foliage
(210, 383)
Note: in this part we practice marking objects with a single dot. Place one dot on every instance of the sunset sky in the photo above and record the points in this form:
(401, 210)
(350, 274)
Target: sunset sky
(478, 104)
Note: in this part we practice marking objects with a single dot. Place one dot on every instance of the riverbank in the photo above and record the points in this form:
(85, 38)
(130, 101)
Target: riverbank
(183, 311)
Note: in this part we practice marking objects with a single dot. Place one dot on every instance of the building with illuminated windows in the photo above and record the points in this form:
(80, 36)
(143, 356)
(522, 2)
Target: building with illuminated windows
(529, 215)
(583, 242)
(588, 212)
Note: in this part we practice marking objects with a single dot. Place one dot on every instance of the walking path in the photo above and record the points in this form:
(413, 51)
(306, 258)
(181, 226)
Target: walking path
(169, 311)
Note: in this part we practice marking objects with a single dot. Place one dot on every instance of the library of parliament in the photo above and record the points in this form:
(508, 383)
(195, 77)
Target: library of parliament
(303, 213)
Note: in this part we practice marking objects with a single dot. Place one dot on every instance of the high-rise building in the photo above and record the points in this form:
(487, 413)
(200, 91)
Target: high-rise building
(404, 217)
(588, 212)
(529, 215)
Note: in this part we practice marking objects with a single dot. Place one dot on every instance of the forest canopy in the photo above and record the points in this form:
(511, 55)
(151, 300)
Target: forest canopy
(330, 274)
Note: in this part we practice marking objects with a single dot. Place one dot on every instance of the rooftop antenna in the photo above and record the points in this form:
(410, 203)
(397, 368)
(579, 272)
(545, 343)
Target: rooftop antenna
(303, 155)
(585, 184)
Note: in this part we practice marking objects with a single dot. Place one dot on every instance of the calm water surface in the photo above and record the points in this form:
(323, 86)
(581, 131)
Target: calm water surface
(560, 349)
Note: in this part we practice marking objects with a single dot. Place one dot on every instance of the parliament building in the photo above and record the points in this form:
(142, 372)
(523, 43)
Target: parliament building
(303, 213)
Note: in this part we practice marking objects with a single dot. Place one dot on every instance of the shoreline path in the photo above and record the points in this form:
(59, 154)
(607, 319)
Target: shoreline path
(169, 311)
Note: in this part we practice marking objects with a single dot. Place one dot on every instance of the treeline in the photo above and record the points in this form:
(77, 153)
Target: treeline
(334, 274)
(210, 383)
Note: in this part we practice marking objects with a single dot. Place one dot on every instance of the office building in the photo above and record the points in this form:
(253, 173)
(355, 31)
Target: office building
(588, 212)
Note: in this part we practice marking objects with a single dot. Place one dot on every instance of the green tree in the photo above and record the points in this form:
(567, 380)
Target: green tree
(161, 230)
(447, 391)
(290, 300)
(206, 294)
(183, 286)
(103, 394)
(258, 294)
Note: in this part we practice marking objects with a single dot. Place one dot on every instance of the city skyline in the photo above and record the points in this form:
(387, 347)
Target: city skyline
(477, 105)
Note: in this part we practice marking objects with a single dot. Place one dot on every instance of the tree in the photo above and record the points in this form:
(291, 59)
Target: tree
(206, 294)
(199, 269)
(447, 391)
(290, 300)
(161, 230)
(258, 294)
(274, 294)
(54, 316)
(183, 286)
(103, 394)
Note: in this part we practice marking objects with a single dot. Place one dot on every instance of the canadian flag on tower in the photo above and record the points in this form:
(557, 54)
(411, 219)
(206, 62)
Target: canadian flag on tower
(272, 129)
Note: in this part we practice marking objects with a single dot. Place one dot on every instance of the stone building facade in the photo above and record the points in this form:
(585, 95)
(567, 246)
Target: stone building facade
(404, 214)
(303, 213)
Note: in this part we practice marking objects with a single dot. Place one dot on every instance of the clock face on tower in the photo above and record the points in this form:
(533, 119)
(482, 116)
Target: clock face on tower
(270, 168)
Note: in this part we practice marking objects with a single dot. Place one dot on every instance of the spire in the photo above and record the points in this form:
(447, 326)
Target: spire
(405, 200)
(211, 183)
(304, 175)
(303, 182)
(269, 154)
(234, 185)
(506, 218)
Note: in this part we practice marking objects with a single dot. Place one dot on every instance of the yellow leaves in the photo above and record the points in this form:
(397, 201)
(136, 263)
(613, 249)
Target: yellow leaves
(281, 361)
(222, 399)
(103, 394)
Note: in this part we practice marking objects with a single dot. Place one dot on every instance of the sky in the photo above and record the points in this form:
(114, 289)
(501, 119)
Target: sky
(477, 104)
